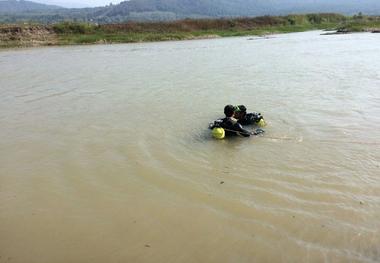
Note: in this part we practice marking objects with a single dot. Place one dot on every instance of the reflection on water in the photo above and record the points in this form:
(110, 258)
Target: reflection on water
(105, 153)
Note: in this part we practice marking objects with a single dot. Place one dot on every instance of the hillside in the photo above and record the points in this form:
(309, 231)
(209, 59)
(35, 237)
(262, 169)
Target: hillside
(243, 7)
(163, 10)
(17, 6)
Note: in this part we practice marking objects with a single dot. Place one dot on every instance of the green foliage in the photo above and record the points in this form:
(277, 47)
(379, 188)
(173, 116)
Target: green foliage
(74, 28)
(71, 33)
(360, 23)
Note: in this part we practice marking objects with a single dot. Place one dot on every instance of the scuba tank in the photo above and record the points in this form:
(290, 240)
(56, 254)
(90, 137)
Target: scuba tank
(217, 131)
(262, 123)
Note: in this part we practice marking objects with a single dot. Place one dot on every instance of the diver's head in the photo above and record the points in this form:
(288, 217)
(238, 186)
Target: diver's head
(229, 110)
(240, 111)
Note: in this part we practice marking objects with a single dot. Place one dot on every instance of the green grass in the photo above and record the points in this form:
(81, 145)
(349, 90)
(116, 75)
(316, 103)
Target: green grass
(119, 38)
(360, 23)
(131, 37)
(84, 33)
(360, 26)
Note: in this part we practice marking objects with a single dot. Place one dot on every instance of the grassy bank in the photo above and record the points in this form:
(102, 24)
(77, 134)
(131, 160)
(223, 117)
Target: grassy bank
(360, 23)
(69, 33)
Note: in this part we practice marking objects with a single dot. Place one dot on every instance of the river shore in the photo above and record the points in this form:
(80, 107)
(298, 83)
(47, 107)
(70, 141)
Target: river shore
(71, 33)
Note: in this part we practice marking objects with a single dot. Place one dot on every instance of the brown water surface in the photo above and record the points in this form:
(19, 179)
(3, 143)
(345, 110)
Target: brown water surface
(105, 154)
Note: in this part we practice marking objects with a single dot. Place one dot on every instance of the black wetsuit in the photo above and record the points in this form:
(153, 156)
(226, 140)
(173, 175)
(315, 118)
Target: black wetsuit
(232, 127)
(250, 118)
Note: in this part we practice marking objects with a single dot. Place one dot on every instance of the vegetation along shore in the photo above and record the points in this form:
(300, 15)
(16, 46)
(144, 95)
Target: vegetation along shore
(72, 33)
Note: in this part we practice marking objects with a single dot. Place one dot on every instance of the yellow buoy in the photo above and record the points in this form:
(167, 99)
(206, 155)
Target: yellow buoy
(262, 123)
(218, 133)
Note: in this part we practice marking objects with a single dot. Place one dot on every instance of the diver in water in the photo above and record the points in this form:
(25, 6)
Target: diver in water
(245, 118)
(231, 125)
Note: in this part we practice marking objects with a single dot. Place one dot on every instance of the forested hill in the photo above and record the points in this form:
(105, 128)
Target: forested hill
(179, 9)
(244, 7)
(17, 6)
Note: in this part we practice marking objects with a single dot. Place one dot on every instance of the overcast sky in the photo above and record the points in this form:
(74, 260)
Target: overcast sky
(77, 3)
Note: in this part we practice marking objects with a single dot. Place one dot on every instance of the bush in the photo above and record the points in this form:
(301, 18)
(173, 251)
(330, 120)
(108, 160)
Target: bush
(73, 28)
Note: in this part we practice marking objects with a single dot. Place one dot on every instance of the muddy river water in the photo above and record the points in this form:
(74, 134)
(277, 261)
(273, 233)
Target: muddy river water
(105, 155)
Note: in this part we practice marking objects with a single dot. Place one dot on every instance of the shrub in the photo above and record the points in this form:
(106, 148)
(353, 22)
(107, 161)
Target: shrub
(73, 28)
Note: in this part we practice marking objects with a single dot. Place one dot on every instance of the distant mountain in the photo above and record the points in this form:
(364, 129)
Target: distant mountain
(17, 6)
(179, 9)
